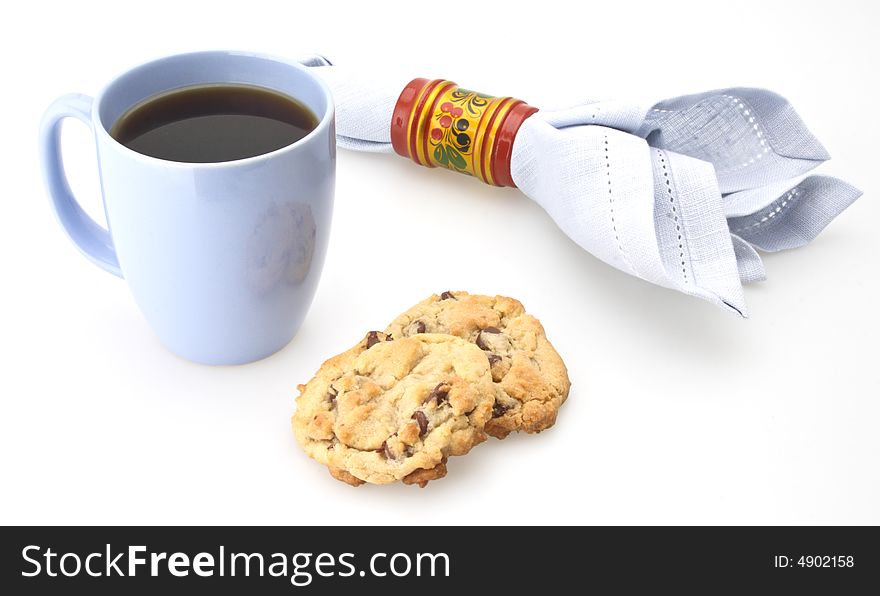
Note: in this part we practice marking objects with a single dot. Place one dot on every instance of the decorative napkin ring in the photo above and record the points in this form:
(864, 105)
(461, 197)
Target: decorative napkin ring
(437, 123)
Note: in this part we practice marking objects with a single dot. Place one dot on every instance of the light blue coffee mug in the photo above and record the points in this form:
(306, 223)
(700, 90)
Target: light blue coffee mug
(222, 258)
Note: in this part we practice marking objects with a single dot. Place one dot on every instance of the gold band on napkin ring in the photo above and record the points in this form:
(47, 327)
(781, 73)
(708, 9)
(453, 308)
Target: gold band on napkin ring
(436, 123)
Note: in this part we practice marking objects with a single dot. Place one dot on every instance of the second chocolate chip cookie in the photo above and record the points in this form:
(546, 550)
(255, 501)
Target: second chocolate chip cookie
(530, 378)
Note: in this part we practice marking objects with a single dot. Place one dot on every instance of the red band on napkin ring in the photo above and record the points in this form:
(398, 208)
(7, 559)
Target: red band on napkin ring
(437, 123)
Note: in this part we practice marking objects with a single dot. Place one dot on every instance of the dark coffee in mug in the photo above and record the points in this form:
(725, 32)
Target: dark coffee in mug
(214, 123)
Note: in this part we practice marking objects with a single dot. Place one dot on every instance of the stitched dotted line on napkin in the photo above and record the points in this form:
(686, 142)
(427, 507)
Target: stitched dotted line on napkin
(611, 207)
(748, 114)
(671, 196)
(775, 209)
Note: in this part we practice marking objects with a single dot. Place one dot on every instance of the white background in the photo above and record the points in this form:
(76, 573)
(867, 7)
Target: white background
(679, 413)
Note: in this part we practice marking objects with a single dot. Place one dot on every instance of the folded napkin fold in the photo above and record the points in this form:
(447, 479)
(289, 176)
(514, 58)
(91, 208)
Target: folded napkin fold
(680, 193)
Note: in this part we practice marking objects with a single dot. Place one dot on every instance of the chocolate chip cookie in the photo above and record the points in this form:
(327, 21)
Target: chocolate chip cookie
(394, 409)
(530, 377)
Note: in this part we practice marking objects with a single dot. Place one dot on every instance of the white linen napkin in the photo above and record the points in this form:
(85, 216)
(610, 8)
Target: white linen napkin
(680, 193)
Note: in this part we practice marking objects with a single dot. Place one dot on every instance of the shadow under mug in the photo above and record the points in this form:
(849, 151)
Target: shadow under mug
(223, 259)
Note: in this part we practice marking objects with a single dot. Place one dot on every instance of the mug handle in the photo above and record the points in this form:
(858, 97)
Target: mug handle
(90, 238)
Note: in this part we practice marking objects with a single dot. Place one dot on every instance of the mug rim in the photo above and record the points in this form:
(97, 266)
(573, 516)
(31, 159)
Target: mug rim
(323, 123)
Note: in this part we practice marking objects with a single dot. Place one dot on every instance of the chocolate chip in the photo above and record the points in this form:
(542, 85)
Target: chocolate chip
(447, 295)
(372, 339)
(420, 327)
(389, 337)
(479, 341)
(439, 393)
(384, 450)
(420, 417)
(499, 410)
(493, 359)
